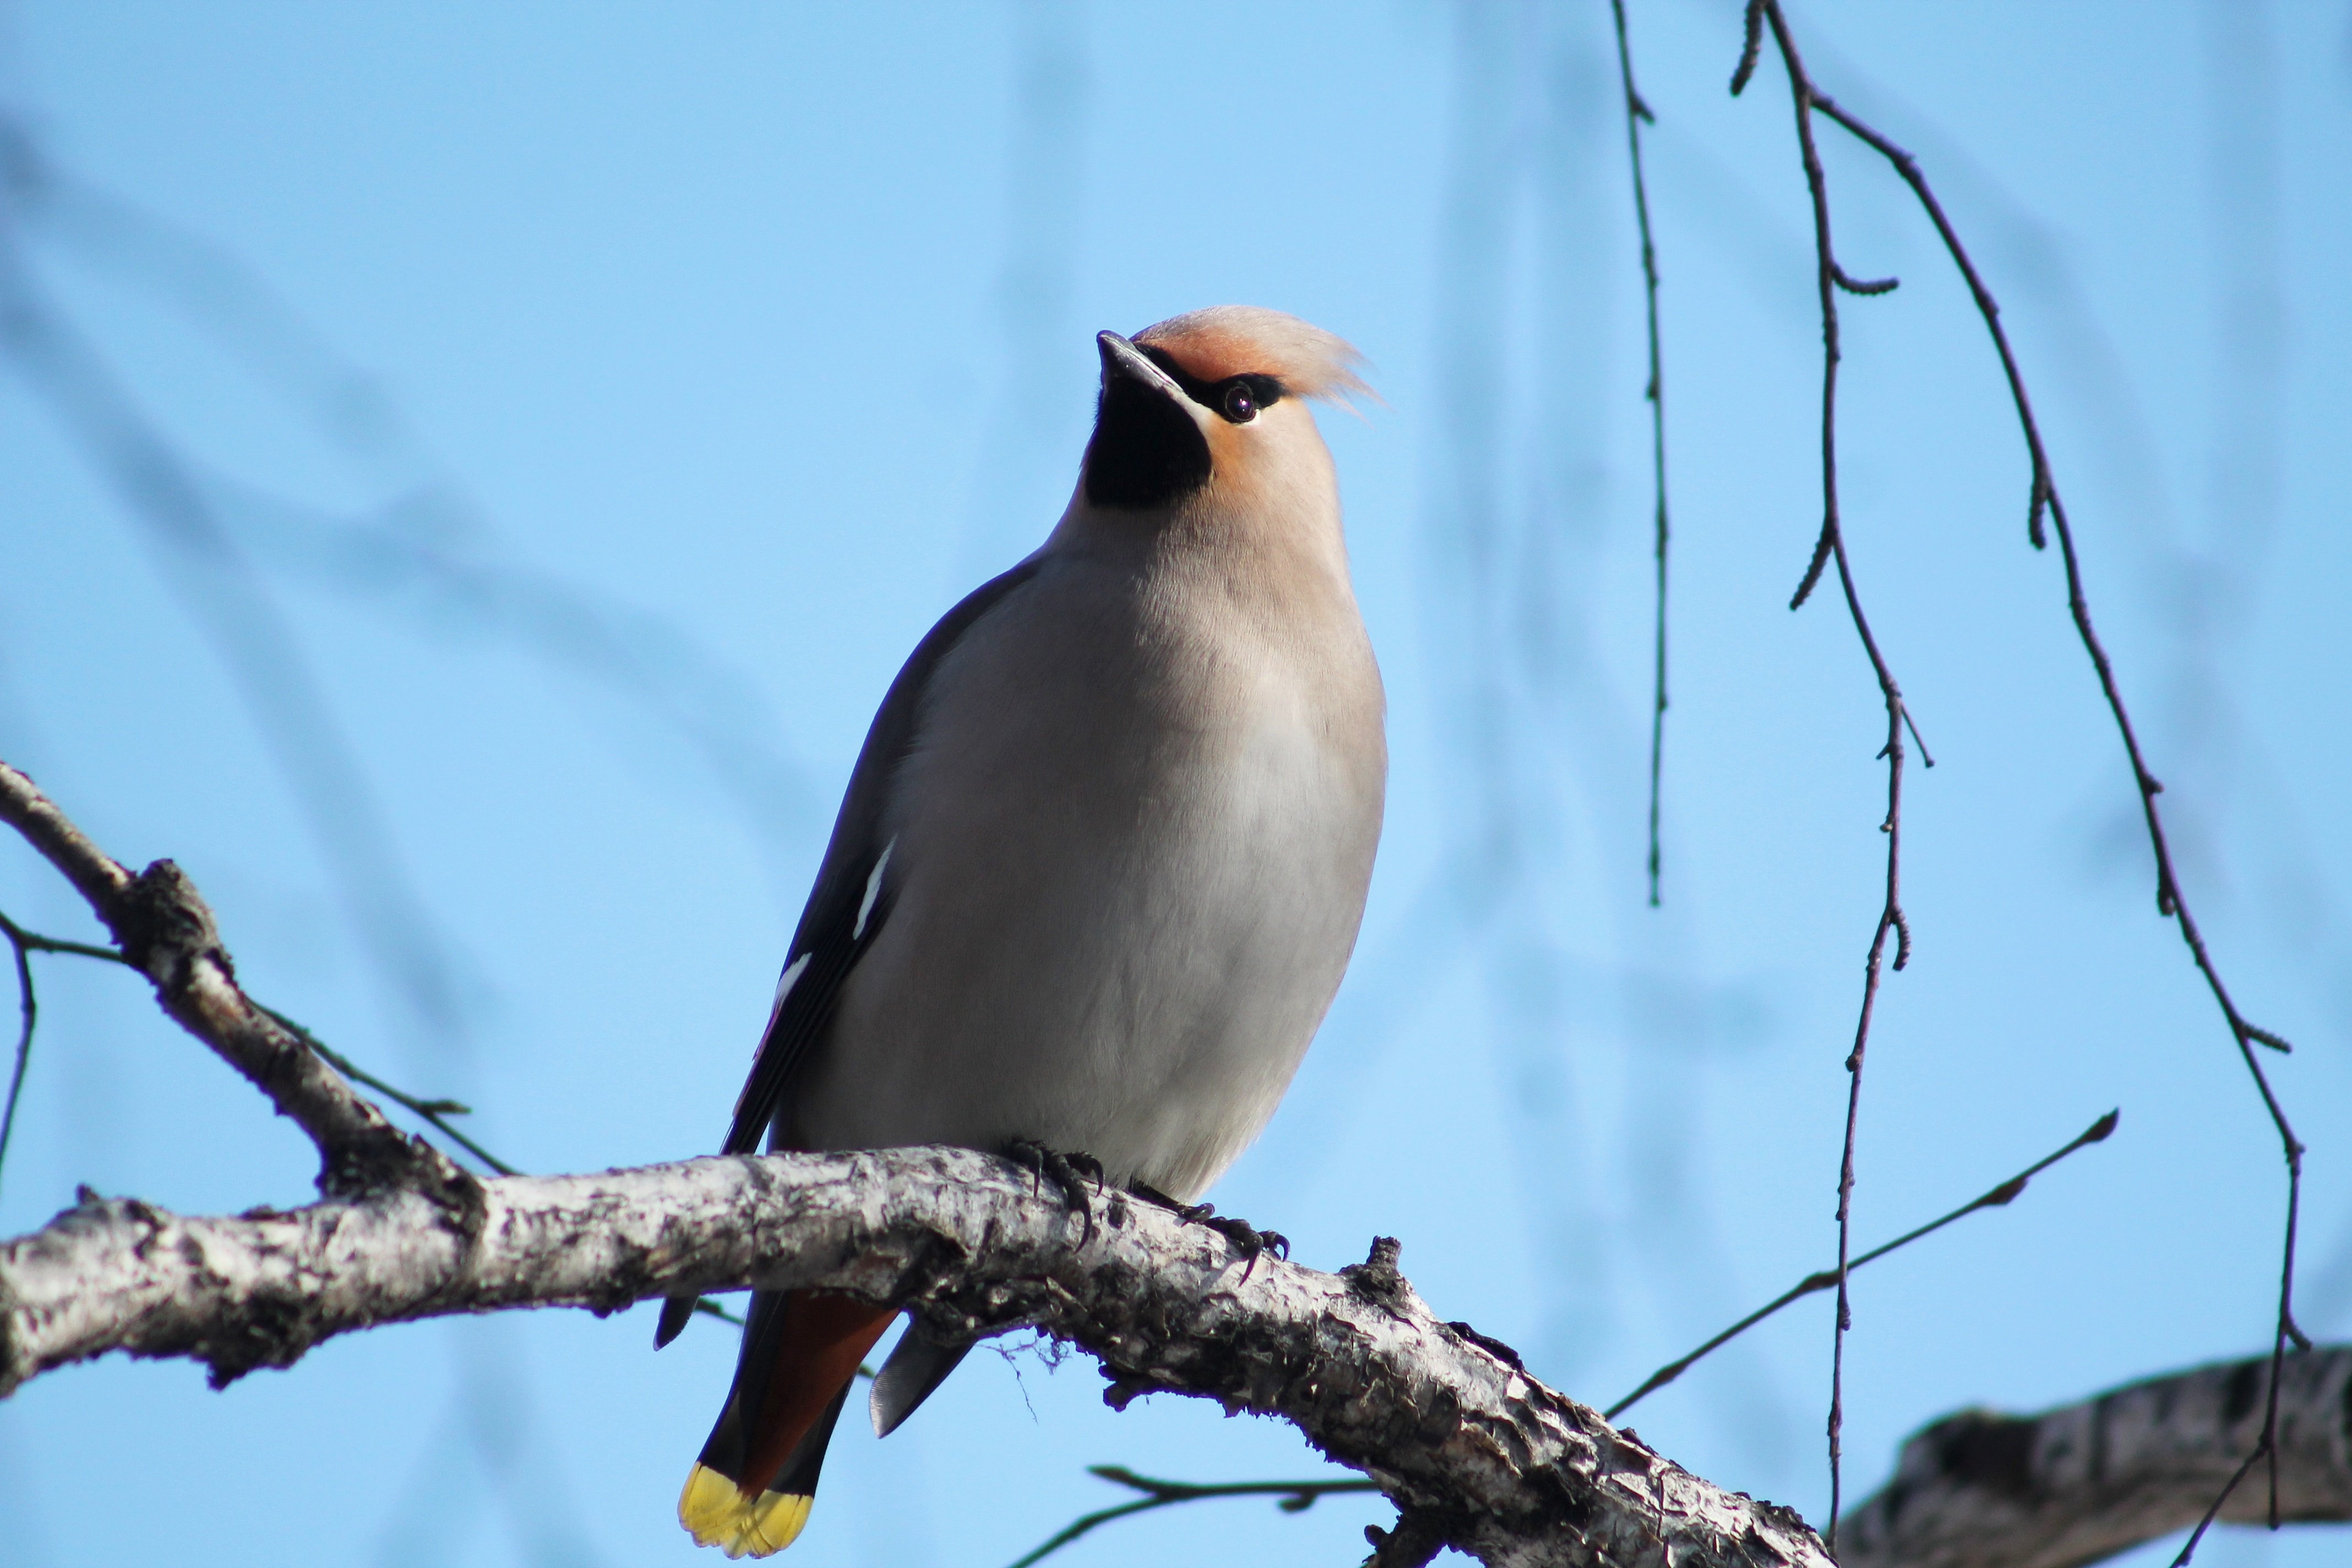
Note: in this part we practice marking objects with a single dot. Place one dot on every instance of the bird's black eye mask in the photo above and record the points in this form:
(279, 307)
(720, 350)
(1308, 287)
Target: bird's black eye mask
(1237, 397)
(1147, 452)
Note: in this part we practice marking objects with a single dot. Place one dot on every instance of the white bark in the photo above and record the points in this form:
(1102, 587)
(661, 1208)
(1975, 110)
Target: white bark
(166, 932)
(1476, 1453)
(2077, 1484)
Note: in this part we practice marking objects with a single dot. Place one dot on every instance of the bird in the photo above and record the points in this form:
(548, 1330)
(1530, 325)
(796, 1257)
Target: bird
(1099, 867)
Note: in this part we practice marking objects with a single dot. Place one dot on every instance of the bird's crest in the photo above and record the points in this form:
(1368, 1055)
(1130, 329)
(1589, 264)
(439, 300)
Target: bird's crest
(1242, 340)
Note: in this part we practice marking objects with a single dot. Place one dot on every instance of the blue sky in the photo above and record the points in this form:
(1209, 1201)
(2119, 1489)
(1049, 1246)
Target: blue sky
(598, 402)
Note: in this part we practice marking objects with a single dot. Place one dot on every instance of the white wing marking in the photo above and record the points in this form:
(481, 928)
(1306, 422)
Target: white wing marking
(783, 988)
(873, 891)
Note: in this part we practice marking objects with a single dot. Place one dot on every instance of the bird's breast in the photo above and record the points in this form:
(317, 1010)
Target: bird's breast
(1134, 836)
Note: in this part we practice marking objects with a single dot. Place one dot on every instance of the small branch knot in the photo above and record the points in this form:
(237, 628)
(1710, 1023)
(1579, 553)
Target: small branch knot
(1414, 1540)
(1124, 1391)
(161, 918)
(2263, 1036)
(1866, 285)
(1822, 548)
(1751, 44)
(1377, 1279)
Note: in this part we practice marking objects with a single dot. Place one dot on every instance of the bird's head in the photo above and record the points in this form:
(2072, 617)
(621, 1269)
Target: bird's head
(1211, 404)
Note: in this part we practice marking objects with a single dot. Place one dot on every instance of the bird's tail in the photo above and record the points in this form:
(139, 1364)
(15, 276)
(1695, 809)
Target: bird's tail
(749, 1492)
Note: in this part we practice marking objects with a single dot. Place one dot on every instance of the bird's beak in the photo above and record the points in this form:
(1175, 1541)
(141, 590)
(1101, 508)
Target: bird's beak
(1151, 447)
(1122, 361)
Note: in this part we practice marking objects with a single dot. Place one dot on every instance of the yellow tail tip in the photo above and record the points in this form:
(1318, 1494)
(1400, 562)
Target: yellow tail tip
(715, 1514)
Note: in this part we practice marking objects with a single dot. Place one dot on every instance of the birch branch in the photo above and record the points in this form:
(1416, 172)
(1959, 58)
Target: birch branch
(166, 932)
(2077, 1484)
(1475, 1453)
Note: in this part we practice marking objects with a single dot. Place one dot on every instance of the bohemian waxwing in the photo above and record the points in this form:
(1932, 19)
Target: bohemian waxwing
(1100, 864)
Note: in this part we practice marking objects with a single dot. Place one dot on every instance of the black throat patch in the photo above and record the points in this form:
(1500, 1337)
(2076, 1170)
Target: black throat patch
(1146, 450)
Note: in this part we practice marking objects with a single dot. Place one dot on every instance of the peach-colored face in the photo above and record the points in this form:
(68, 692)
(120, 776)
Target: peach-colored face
(1269, 456)
(1211, 354)
(1254, 463)
(1214, 354)
(1226, 340)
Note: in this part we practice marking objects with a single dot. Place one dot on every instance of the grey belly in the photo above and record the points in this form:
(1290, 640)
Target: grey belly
(1139, 989)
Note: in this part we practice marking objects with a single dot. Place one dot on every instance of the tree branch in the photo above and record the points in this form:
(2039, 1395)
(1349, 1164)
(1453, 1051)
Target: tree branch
(2083, 1482)
(166, 932)
(1475, 1453)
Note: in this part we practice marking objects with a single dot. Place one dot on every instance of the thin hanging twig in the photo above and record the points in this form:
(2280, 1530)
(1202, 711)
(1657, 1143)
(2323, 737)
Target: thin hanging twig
(1829, 278)
(23, 944)
(1637, 112)
(2043, 501)
(28, 1009)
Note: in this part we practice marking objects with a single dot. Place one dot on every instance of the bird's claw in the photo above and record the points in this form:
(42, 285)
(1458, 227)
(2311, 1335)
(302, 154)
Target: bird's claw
(1245, 1236)
(1070, 1171)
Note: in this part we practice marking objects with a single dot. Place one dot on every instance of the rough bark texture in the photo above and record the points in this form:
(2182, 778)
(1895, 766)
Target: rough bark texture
(1475, 1453)
(163, 927)
(2075, 1485)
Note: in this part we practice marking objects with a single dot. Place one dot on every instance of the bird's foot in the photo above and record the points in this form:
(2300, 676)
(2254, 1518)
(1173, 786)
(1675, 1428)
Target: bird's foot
(1070, 1171)
(1251, 1240)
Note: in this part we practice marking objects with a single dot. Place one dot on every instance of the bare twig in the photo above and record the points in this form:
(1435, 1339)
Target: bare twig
(1500, 1466)
(2044, 501)
(2228, 1488)
(165, 932)
(435, 1112)
(1829, 546)
(1636, 112)
(2004, 1193)
(23, 944)
(1504, 1467)
(1297, 1497)
(29, 1011)
(35, 942)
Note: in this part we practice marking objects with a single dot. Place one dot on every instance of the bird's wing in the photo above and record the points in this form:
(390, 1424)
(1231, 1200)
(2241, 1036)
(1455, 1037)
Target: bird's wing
(851, 899)
(853, 886)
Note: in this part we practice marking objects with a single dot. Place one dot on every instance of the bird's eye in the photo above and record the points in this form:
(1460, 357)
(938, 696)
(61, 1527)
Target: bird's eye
(1241, 403)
